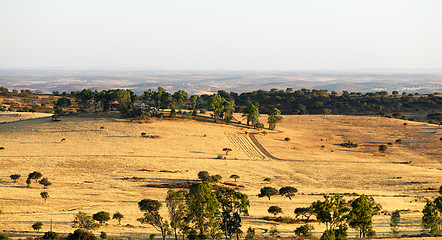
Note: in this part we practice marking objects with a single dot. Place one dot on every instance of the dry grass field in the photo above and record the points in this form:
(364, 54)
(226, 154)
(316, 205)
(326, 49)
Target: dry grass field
(87, 157)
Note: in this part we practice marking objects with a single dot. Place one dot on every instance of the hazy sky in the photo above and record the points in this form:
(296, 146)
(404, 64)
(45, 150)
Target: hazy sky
(221, 34)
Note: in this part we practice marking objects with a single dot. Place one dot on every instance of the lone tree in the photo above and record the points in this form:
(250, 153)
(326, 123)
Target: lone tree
(252, 114)
(394, 222)
(305, 212)
(288, 191)
(35, 175)
(37, 226)
(152, 216)
(304, 231)
(361, 213)
(44, 195)
(275, 210)
(176, 204)
(382, 148)
(227, 150)
(204, 175)
(430, 218)
(101, 217)
(203, 210)
(234, 176)
(118, 216)
(15, 177)
(268, 192)
(84, 221)
(45, 182)
(274, 118)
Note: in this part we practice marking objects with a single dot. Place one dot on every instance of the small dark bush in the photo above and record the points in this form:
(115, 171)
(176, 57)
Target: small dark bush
(80, 234)
(383, 148)
(350, 144)
(389, 143)
(405, 124)
(287, 139)
(398, 140)
(50, 235)
(202, 111)
(3, 237)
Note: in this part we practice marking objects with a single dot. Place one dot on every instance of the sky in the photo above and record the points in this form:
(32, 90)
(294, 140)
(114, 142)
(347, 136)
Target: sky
(221, 34)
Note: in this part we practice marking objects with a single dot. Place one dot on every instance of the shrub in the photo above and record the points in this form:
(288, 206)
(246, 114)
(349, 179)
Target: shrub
(101, 217)
(45, 182)
(3, 237)
(80, 234)
(152, 236)
(50, 236)
(389, 143)
(203, 175)
(304, 230)
(250, 233)
(383, 148)
(194, 113)
(267, 179)
(432, 121)
(203, 111)
(287, 139)
(350, 144)
(15, 177)
(215, 178)
(398, 140)
(2, 148)
(405, 124)
(143, 134)
(37, 226)
(103, 235)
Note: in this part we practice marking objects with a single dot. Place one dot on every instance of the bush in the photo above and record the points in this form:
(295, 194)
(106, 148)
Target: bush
(50, 236)
(431, 121)
(398, 140)
(203, 111)
(3, 237)
(80, 234)
(250, 233)
(389, 143)
(350, 144)
(204, 175)
(304, 230)
(103, 235)
(383, 148)
(287, 139)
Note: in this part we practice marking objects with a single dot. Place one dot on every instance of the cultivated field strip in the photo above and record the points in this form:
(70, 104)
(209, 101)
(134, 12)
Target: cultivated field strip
(240, 141)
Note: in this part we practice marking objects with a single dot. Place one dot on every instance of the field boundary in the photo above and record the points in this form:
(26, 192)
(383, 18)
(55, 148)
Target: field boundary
(242, 142)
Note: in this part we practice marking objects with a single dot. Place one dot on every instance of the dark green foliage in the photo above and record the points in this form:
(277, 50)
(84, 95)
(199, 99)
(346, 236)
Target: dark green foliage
(275, 210)
(103, 235)
(268, 192)
(35, 175)
(252, 114)
(350, 144)
(118, 216)
(233, 205)
(274, 118)
(203, 209)
(50, 236)
(398, 141)
(288, 191)
(80, 234)
(250, 234)
(37, 226)
(394, 222)
(204, 175)
(234, 176)
(333, 212)
(84, 221)
(215, 178)
(176, 204)
(44, 195)
(221, 108)
(430, 218)
(45, 182)
(304, 230)
(172, 113)
(28, 182)
(101, 217)
(306, 212)
(152, 216)
(440, 190)
(287, 139)
(4, 237)
(360, 216)
(383, 148)
(15, 177)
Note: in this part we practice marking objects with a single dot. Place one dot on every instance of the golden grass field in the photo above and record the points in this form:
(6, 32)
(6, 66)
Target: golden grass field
(87, 168)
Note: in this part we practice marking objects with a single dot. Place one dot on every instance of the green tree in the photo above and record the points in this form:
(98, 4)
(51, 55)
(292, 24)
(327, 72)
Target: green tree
(61, 105)
(304, 231)
(180, 96)
(234, 176)
(383, 148)
(152, 216)
(193, 101)
(35, 175)
(250, 234)
(203, 210)
(288, 191)
(85, 98)
(438, 204)
(50, 236)
(394, 222)
(274, 118)
(157, 96)
(361, 213)
(268, 192)
(101, 217)
(306, 212)
(37, 226)
(81, 234)
(227, 150)
(204, 176)
(233, 205)
(252, 114)
(45, 182)
(44, 195)
(103, 235)
(430, 218)
(333, 212)
(84, 221)
(215, 104)
(15, 177)
(118, 216)
(275, 210)
(176, 204)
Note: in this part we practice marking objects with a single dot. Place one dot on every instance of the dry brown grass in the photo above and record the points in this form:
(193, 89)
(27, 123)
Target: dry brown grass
(88, 167)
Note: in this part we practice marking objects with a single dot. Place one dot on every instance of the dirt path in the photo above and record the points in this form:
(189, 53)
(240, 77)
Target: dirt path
(240, 141)
(261, 148)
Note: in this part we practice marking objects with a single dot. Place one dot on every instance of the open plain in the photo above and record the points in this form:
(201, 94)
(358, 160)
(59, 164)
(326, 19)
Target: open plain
(100, 162)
